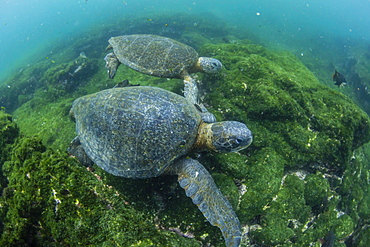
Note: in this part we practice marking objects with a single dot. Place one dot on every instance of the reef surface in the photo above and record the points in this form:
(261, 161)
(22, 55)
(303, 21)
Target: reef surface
(304, 176)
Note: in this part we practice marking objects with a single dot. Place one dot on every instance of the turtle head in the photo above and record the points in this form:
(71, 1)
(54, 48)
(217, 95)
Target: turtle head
(209, 65)
(111, 64)
(224, 137)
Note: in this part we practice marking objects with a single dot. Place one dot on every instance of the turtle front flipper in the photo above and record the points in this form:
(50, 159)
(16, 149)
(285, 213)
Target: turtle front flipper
(191, 94)
(111, 64)
(201, 188)
(190, 89)
(206, 116)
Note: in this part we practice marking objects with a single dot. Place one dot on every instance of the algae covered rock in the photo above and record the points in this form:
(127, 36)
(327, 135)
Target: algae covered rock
(307, 123)
(299, 125)
(67, 77)
(305, 175)
(9, 131)
(21, 87)
(52, 200)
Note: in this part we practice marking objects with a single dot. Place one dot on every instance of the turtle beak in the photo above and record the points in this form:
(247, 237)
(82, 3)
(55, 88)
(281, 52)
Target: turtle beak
(243, 143)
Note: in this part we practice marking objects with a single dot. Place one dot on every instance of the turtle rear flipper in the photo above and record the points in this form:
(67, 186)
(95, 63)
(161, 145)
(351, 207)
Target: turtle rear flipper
(200, 187)
(78, 151)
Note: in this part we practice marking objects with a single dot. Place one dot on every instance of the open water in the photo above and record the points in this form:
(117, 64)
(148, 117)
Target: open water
(54, 35)
(30, 28)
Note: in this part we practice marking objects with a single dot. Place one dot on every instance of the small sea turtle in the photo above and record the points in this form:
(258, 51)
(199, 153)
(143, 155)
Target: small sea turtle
(143, 132)
(159, 56)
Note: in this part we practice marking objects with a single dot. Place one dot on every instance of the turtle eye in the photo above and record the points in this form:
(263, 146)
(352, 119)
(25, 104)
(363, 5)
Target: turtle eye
(215, 65)
(238, 140)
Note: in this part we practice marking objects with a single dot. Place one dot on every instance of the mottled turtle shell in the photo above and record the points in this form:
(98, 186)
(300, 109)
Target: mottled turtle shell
(154, 55)
(135, 132)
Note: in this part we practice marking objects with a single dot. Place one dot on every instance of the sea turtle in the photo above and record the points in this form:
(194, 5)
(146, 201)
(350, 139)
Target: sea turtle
(159, 56)
(143, 132)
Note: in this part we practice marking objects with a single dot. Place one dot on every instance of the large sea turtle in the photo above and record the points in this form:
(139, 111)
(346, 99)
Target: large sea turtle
(159, 56)
(143, 132)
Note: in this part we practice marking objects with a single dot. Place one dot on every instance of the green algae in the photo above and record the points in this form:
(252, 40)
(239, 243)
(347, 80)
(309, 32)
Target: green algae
(50, 121)
(304, 124)
(316, 189)
(51, 200)
(20, 88)
(65, 78)
(298, 125)
(295, 123)
(9, 131)
(286, 212)
(287, 102)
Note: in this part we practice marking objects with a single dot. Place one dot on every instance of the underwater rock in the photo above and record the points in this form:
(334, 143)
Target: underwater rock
(307, 123)
(9, 131)
(299, 125)
(67, 77)
(52, 200)
(21, 88)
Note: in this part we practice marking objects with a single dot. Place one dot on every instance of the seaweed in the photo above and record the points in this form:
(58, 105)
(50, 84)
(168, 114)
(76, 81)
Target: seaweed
(305, 174)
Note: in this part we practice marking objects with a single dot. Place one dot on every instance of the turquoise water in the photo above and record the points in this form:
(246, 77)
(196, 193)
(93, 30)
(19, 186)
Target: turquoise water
(30, 28)
(51, 52)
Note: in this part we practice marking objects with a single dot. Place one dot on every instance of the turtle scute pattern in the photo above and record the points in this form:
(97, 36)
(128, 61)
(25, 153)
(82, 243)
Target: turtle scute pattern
(142, 132)
(149, 128)
(154, 55)
(162, 57)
